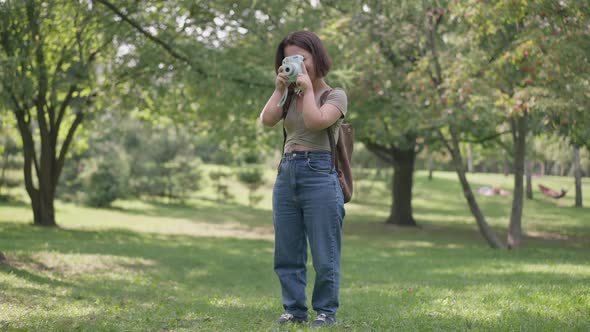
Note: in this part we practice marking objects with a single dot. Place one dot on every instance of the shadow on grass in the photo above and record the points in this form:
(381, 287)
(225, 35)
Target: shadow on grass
(198, 282)
(445, 318)
(445, 194)
(186, 271)
(212, 255)
(464, 234)
(216, 214)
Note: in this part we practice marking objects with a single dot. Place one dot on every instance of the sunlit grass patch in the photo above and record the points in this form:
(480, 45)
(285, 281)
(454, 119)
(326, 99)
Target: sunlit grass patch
(206, 265)
(71, 264)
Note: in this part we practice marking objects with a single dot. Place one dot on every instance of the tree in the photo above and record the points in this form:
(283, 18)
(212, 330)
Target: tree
(378, 45)
(450, 91)
(578, 176)
(59, 56)
(48, 76)
(520, 66)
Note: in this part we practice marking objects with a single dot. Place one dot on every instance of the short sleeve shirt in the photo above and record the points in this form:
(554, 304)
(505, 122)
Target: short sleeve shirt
(298, 133)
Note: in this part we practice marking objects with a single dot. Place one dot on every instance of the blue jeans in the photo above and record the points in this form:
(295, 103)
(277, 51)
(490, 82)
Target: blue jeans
(308, 205)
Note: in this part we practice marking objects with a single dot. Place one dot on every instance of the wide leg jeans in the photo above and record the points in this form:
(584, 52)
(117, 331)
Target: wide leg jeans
(308, 205)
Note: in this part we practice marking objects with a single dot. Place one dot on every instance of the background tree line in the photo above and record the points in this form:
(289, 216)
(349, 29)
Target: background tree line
(125, 97)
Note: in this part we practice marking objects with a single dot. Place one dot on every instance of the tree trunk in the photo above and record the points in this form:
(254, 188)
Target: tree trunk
(43, 195)
(488, 234)
(430, 165)
(455, 151)
(519, 131)
(401, 207)
(469, 158)
(4, 167)
(48, 167)
(403, 165)
(505, 162)
(529, 180)
(561, 169)
(43, 211)
(578, 176)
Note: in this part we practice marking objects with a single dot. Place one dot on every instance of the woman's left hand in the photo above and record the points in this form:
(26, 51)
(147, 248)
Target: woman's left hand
(303, 80)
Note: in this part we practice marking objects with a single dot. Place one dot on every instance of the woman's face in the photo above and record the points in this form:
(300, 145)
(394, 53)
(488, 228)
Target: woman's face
(308, 59)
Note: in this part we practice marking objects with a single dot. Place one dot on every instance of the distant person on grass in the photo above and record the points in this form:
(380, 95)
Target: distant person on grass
(307, 199)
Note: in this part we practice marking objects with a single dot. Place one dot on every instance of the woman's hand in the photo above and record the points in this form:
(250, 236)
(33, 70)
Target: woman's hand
(303, 80)
(281, 80)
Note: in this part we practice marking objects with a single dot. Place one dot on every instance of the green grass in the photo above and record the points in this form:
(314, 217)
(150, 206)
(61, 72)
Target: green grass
(207, 265)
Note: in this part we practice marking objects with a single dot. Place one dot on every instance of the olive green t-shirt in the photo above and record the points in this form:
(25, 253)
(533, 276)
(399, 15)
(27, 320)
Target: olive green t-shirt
(298, 133)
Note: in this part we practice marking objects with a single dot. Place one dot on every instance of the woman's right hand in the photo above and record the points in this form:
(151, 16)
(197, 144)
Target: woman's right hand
(281, 80)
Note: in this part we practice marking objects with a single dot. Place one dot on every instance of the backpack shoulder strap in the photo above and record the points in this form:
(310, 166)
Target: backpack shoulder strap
(329, 130)
(332, 147)
(284, 116)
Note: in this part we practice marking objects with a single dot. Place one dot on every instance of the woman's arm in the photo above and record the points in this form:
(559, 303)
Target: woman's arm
(315, 118)
(318, 119)
(271, 113)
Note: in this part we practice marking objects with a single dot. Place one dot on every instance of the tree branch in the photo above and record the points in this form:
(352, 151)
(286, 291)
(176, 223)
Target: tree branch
(419, 148)
(456, 151)
(431, 26)
(171, 50)
(30, 158)
(56, 71)
(487, 138)
(40, 100)
(17, 106)
(68, 46)
(381, 152)
(22, 113)
(513, 129)
(61, 113)
(65, 102)
(444, 140)
(151, 37)
(504, 145)
(66, 145)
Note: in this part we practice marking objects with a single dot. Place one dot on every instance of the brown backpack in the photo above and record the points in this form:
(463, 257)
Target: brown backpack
(341, 150)
(341, 156)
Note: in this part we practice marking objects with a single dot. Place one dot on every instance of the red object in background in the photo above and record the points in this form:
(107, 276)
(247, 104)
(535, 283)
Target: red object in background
(551, 193)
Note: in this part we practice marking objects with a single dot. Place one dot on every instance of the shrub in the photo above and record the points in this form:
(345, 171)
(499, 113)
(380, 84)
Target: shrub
(253, 179)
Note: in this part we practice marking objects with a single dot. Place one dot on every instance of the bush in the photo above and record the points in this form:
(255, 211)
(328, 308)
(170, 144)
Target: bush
(125, 157)
(253, 179)
(220, 185)
(71, 182)
(181, 176)
(11, 162)
(104, 186)
(164, 165)
(106, 180)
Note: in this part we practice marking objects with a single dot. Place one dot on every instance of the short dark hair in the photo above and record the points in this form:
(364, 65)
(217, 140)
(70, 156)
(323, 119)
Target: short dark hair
(310, 42)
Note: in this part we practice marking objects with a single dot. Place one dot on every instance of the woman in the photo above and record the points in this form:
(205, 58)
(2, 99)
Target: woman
(307, 199)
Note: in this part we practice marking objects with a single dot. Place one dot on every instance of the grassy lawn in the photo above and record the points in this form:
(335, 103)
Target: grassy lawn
(207, 265)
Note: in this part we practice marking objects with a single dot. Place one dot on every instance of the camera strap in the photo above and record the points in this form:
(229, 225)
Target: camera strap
(284, 97)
